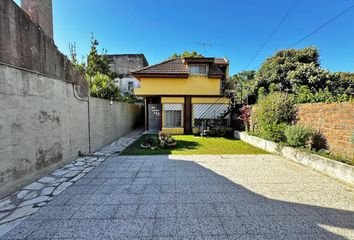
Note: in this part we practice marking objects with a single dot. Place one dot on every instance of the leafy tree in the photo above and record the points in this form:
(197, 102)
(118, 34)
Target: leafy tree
(187, 54)
(102, 86)
(95, 62)
(98, 74)
(290, 70)
(244, 82)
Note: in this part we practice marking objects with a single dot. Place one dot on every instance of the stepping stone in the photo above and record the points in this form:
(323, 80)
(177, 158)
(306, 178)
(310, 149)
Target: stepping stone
(6, 227)
(47, 191)
(71, 174)
(6, 205)
(22, 194)
(19, 213)
(34, 201)
(34, 186)
(31, 195)
(61, 188)
(60, 172)
(46, 179)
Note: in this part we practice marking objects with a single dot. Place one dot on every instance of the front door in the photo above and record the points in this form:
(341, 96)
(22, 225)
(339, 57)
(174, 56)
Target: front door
(154, 120)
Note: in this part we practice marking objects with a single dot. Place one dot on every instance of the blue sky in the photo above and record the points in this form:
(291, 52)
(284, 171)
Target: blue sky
(236, 28)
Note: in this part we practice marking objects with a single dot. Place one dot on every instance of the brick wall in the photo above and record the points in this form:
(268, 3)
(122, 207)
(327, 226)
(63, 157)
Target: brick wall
(335, 120)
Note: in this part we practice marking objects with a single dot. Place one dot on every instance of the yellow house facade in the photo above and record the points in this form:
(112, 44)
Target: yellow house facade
(180, 92)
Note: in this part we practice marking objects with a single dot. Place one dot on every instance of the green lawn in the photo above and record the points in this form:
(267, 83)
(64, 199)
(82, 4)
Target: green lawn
(189, 144)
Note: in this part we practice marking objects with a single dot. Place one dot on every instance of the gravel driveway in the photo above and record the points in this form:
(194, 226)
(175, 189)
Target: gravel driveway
(196, 197)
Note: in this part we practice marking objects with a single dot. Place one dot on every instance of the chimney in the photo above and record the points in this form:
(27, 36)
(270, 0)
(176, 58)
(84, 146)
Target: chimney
(40, 12)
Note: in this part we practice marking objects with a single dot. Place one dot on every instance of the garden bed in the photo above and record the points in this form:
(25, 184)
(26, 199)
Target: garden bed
(332, 168)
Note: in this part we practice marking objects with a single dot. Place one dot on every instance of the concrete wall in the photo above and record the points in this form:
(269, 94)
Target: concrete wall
(111, 121)
(24, 44)
(43, 125)
(40, 12)
(335, 120)
(123, 64)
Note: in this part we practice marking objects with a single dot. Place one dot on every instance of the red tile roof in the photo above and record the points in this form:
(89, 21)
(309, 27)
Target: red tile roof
(177, 67)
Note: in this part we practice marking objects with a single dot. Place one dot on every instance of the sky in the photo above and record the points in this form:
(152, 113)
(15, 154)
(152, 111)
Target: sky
(235, 28)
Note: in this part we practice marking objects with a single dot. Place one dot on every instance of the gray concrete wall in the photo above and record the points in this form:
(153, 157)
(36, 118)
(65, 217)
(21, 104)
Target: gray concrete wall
(111, 121)
(43, 125)
(24, 44)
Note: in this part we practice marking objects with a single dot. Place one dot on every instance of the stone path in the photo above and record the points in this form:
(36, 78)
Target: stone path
(21, 204)
(196, 197)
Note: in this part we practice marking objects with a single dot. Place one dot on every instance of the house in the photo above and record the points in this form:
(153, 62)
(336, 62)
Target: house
(122, 65)
(182, 94)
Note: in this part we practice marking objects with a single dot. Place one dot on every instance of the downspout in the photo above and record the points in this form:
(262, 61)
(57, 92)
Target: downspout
(88, 113)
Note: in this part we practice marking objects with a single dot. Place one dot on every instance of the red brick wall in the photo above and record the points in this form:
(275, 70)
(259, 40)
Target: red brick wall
(335, 120)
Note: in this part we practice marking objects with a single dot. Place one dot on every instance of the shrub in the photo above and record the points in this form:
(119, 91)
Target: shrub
(272, 114)
(298, 135)
(319, 141)
(245, 116)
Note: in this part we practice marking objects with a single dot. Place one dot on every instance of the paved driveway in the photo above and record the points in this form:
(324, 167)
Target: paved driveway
(196, 197)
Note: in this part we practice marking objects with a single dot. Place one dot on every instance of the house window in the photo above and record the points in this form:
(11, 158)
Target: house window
(172, 115)
(130, 86)
(198, 69)
(208, 112)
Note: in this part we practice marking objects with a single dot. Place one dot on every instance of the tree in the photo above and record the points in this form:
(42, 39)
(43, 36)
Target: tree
(186, 54)
(95, 62)
(244, 82)
(81, 67)
(98, 74)
(291, 69)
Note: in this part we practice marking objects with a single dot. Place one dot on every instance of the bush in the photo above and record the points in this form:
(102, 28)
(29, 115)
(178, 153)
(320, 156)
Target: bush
(272, 114)
(298, 135)
(319, 141)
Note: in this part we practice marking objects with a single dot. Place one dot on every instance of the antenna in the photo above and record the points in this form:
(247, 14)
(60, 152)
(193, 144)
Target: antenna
(205, 44)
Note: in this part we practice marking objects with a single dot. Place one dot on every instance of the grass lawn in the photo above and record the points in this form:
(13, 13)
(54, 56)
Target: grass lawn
(189, 144)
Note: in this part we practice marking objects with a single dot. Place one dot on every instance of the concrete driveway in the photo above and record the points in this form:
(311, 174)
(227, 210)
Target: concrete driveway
(196, 197)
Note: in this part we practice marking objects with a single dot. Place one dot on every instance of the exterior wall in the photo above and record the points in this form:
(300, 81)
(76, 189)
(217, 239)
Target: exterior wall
(194, 85)
(43, 125)
(111, 121)
(123, 83)
(125, 63)
(40, 12)
(335, 120)
(24, 45)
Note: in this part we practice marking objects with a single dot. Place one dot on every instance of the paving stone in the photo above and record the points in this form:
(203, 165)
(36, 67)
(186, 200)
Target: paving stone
(31, 195)
(61, 188)
(34, 201)
(22, 194)
(61, 172)
(17, 233)
(47, 191)
(6, 205)
(34, 186)
(19, 213)
(96, 212)
(126, 211)
(46, 179)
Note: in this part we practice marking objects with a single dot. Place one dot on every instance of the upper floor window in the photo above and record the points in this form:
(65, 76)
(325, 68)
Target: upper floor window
(201, 69)
(130, 86)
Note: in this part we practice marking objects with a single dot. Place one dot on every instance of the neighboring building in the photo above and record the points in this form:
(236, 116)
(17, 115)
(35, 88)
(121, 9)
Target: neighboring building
(181, 93)
(122, 65)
